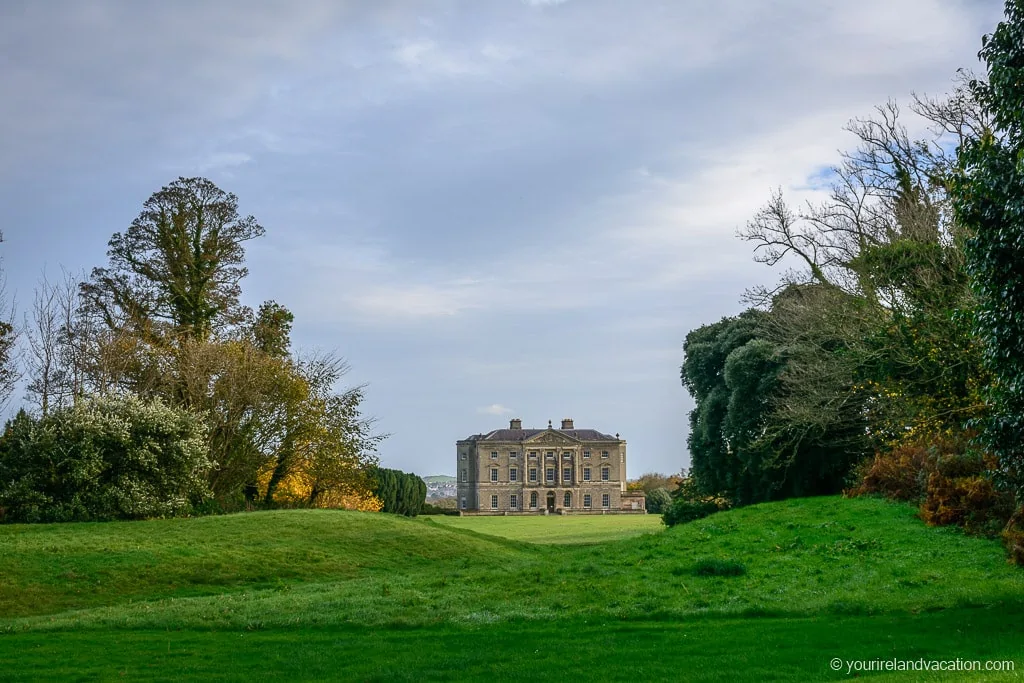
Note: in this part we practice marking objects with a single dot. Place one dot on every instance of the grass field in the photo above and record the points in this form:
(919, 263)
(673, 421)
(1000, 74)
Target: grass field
(568, 529)
(354, 596)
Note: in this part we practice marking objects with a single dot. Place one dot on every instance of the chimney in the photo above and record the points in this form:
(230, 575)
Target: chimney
(515, 423)
(567, 423)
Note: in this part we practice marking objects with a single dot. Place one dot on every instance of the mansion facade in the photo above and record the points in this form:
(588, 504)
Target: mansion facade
(544, 471)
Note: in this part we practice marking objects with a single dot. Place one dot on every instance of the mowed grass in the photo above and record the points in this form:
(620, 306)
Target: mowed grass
(349, 596)
(567, 529)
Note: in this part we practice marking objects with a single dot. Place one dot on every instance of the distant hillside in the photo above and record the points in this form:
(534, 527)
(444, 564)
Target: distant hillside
(439, 479)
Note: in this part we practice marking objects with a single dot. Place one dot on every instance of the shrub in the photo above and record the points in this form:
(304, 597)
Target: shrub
(715, 567)
(105, 458)
(431, 509)
(658, 500)
(950, 480)
(961, 492)
(682, 511)
(900, 474)
(689, 504)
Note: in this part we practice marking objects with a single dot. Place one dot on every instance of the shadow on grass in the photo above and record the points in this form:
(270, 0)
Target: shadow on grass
(703, 649)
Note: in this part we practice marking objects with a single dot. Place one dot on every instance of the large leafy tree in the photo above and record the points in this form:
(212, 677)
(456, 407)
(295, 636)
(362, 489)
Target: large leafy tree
(745, 445)
(729, 372)
(178, 266)
(172, 328)
(989, 199)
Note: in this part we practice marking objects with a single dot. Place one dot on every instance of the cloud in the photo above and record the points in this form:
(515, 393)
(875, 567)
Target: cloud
(223, 160)
(494, 409)
(465, 194)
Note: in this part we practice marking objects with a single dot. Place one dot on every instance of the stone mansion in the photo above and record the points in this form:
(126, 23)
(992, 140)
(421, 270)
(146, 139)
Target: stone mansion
(544, 471)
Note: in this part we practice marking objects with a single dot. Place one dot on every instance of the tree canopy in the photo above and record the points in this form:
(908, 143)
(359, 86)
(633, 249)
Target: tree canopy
(989, 200)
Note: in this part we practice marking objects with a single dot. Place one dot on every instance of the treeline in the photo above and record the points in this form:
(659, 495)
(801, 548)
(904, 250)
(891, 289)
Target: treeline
(153, 391)
(890, 356)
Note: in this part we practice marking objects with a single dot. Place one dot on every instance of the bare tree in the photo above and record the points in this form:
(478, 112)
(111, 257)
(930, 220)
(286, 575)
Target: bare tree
(891, 187)
(9, 374)
(880, 255)
(43, 358)
(58, 340)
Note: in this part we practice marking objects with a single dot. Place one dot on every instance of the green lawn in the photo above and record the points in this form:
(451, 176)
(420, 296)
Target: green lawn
(356, 596)
(558, 528)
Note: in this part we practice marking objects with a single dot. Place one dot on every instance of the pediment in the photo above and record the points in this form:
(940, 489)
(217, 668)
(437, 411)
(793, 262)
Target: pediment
(553, 437)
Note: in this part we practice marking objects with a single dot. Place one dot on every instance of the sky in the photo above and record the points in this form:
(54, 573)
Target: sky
(490, 208)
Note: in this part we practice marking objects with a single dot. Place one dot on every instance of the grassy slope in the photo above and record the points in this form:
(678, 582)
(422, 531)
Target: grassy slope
(570, 529)
(306, 594)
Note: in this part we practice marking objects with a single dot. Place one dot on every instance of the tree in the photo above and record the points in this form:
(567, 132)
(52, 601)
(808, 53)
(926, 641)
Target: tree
(742, 446)
(401, 493)
(177, 268)
(55, 361)
(163, 321)
(329, 446)
(716, 456)
(658, 500)
(989, 199)
(8, 340)
(650, 481)
(271, 330)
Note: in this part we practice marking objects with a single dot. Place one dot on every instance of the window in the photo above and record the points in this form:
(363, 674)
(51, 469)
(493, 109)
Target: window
(533, 474)
(494, 474)
(513, 502)
(550, 474)
(604, 474)
(512, 454)
(606, 500)
(586, 474)
(550, 455)
(513, 474)
(533, 499)
(494, 502)
(586, 454)
(494, 455)
(464, 477)
(462, 456)
(586, 500)
(567, 474)
(533, 454)
(462, 503)
(567, 501)
(604, 454)
(566, 455)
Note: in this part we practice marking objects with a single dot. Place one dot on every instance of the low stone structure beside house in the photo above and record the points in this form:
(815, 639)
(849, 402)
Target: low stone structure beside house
(518, 471)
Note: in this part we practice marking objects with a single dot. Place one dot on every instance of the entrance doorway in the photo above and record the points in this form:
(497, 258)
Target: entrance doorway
(551, 501)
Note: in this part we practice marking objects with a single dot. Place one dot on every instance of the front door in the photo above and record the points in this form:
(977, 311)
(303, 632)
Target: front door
(551, 501)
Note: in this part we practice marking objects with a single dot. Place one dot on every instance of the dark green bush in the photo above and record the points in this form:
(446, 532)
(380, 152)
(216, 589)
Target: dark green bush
(682, 511)
(431, 509)
(688, 504)
(106, 458)
(402, 493)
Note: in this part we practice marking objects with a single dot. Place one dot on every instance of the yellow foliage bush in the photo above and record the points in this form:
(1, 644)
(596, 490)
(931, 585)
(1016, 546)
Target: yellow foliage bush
(296, 489)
